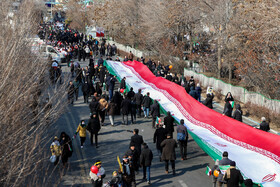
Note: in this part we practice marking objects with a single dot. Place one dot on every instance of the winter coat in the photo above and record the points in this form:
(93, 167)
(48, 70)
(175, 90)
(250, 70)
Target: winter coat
(55, 148)
(183, 129)
(85, 88)
(81, 130)
(169, 124)
(111, 109)
(138, 98)
(146, 157)
(126, 106)
(233, 177)
(130, 94)
(193, 93)
(94, 106)
(112, 83)
(133, 107)
(123, 85)
(209, 101)
(227, 109)
(103, 104)
(225, 161)
(237, 113)
(168, 149)
(155, 112)
(102, 72)
(93, 125)
(159, 136)
(198, 90)
(147, 101)
(137, 140)
(264, 126)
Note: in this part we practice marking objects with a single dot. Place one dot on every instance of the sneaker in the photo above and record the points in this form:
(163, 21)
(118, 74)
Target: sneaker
(82, 147)
(148, 182)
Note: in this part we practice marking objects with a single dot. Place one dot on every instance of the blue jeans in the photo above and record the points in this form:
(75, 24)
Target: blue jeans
(146, 170)
(146, 111)
(110, 94)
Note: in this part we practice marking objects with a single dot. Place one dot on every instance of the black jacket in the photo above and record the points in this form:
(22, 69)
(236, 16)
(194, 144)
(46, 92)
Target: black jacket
(209, 101)
(155, 112)
(123, 85)
(93, 125)
(159, 136)
(227, 109)
(138, 98)
(137, 140)
(169, 124)
(234, 178)
(126, 106)
(264, 126)
(94, 106)
(85, 88)
(237, 113)
(131, 94)
(146, 157)
(147, 101)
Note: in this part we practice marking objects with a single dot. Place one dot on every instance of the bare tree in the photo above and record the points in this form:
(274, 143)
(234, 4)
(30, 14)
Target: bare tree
(24, 114)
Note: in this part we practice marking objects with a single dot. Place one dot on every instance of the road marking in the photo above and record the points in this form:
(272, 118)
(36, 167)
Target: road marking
(182, 183)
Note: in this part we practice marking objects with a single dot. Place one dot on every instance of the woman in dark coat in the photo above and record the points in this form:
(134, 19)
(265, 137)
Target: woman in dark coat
(227, 109)
(237, 113)
(94, 127)
(117, 99)
(209, 100)
(229, 97)
(66, 146)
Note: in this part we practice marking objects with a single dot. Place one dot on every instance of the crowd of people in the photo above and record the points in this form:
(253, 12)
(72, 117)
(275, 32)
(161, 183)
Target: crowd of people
(99, 91)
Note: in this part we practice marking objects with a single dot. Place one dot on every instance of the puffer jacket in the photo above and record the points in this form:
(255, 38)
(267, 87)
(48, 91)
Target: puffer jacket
(82, 130)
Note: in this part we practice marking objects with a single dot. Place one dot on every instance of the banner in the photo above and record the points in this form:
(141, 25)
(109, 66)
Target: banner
(255, 152)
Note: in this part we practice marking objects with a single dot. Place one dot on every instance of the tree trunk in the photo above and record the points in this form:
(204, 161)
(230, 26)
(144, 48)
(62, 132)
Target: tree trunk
(219, 56)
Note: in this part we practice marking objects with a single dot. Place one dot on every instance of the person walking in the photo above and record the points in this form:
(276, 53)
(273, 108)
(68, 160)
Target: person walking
(209, 100)
(128, 173)
(264, 125)
(94, 106)
(103, 105)
(237, 114)
(76, 84)
(198, 91)
(146, 158)
(71, 91)
(169, 124)
(159, 136)
(182, 138)
(233, 176)
(227, 108)
(146, 103)
(225, 161)
(134, 156)
(137, 140)
(56, 149)
(85, 90)
(125, 108)
(82, 132)
(111, 86)
(133, 111)
(94, 127)
(168, 152)
(111, 111)
(138, 97)
(123, 84)
(155, 112)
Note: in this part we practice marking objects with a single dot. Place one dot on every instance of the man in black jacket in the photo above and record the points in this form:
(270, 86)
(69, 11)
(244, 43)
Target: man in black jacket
(123, 84)
(85, 90)
(134, 156)
(138, 100)
(159, 136)
(94, 106)
(169, 124)
(147, 101)
(137, 140)
(125, 107)
(131, 93)
(155, 112)
(146, 158)
(233, 176)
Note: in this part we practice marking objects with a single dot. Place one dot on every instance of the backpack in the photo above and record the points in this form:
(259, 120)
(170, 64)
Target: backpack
(181, 136)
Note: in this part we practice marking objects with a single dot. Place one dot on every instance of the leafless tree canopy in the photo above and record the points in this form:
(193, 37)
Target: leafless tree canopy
(24, 114)
(239, 37)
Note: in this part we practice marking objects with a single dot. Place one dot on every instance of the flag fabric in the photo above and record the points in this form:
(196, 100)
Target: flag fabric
(120, 164)
(208, 171)
(232, 104)
(224, 168)
(158, 121)
(256, 153)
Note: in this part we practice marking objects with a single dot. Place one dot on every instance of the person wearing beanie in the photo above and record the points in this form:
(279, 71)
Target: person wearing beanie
(168, 152)
(233, 176)
(182, 138)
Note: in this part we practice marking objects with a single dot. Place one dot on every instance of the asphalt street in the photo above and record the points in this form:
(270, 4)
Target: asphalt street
(113, 142)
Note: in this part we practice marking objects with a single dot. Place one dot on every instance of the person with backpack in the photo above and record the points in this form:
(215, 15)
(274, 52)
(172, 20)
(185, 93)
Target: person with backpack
(182, 138)
(82, 132)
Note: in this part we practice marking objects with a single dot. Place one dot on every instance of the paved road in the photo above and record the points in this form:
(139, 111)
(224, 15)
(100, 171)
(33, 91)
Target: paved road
(114, 142)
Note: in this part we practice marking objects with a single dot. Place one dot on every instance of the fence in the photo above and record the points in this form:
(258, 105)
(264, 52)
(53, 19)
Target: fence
(239, 93)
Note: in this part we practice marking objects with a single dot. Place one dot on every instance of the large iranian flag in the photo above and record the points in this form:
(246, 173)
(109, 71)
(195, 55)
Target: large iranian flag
(256, 153)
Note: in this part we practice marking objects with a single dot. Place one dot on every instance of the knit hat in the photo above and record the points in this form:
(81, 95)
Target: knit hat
(232, 163)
